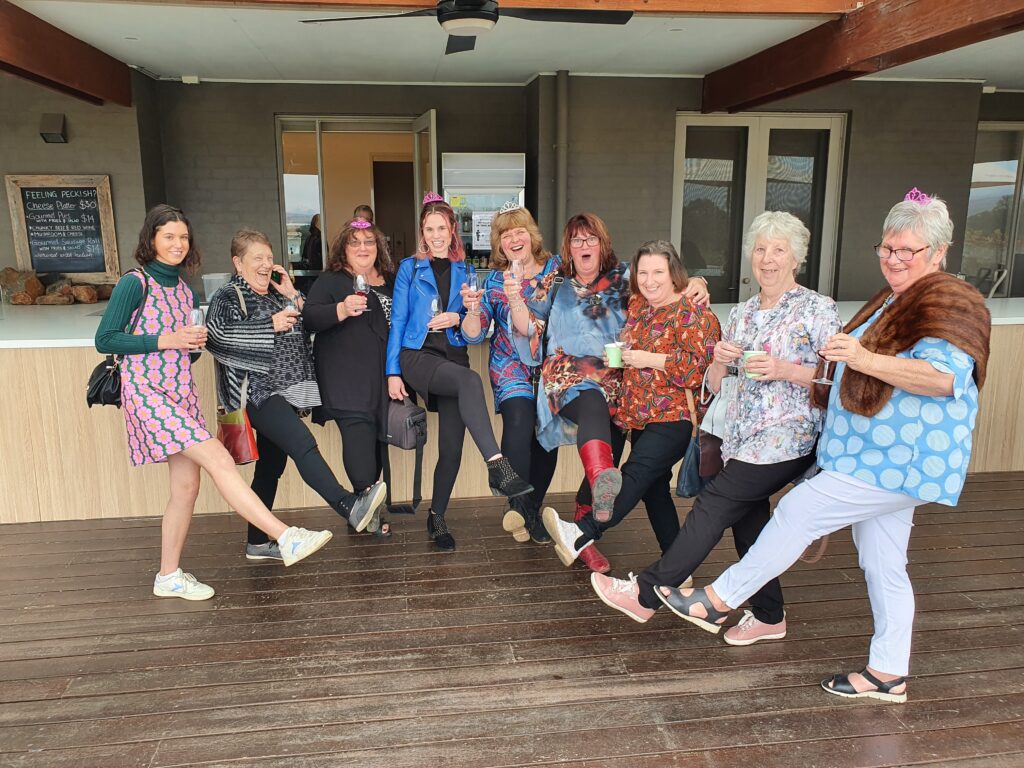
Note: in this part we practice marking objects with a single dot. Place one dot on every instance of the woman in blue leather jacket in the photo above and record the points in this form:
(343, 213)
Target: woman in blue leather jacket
(426, 349)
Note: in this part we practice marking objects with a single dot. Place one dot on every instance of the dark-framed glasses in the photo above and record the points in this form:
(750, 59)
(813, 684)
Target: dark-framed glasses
(579, 242)
(903, 254)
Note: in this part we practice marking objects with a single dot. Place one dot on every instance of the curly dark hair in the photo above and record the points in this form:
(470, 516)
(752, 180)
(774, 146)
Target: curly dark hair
(156, 217)
(587, 224)
(337, 262)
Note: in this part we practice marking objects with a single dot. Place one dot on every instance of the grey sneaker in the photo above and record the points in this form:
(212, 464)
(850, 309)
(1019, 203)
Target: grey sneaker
(267, 551)
(365, 509)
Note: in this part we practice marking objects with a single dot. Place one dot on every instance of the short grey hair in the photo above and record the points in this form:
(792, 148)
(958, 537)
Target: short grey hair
(930, 221)
(779, 225)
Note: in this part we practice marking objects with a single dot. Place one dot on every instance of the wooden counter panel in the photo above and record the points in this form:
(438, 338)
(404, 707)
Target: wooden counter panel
(60, 460)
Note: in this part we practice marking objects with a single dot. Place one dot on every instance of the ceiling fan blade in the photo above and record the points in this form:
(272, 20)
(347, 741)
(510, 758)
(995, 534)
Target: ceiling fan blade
(406, 15)
(568, 15)
(459, 43)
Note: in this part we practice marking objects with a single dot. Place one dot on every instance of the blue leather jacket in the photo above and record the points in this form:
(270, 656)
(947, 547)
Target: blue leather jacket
(410, 309)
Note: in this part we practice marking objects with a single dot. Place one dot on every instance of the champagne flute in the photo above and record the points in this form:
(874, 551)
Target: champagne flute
(517, 269)
(435, 310)
(362, 288)
(472, 281)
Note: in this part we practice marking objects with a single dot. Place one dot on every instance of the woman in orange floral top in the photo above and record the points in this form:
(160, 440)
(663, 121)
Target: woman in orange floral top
(668, 343)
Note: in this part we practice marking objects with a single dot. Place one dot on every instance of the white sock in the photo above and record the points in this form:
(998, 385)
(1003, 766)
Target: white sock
(172, 575)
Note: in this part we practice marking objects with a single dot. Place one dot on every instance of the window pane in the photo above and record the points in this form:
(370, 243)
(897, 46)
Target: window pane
(990, 210)
(301, 187)
(713, 190)
(797, 161)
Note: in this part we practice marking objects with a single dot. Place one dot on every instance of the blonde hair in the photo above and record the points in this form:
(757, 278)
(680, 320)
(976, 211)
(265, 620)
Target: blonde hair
(502, 223)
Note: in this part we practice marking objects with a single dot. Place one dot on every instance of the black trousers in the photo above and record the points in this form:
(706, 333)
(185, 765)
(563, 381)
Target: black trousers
(280, 435)
(361, 452)
(460, 404)
(519, 444)
(647, 475)
(736, 498)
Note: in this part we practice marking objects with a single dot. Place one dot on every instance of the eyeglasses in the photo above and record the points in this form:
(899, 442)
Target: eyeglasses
(903, 254)
(579, 242)
(367, 243)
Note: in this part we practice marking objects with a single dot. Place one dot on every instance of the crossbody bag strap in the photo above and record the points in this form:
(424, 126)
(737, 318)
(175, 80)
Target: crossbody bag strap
(245, 379)
(138, 313)
(694, 419)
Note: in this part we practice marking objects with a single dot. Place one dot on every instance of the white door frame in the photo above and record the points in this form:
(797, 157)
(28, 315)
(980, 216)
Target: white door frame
(759, 126)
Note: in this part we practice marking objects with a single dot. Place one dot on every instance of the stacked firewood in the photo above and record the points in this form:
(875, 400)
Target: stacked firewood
(26, 288)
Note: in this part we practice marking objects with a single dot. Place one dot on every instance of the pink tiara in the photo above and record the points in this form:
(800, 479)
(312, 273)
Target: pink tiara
(432, 197)
(917, 196)
(361, 224)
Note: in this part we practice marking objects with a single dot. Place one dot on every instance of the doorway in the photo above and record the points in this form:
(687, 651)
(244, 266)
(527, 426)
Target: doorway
(729, 169)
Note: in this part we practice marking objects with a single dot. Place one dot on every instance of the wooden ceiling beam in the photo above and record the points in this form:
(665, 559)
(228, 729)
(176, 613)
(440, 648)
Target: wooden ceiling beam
(37, 51)
(880, 35)
(670, 7)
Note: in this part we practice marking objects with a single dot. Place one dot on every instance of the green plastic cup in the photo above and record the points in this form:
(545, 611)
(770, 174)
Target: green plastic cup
(614, 353)
(747, 354)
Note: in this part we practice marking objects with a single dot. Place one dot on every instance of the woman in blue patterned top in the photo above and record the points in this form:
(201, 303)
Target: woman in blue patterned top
(516, 246)
(908, 369)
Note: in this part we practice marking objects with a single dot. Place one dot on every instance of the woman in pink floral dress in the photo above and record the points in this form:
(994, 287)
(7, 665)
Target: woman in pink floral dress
(161, 408)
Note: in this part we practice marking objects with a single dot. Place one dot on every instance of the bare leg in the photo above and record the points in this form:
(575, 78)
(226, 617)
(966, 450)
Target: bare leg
(184, 476)
(214, 458)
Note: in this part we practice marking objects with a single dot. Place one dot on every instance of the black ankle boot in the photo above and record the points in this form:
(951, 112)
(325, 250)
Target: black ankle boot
(438, 531)
(504, 481)
(535, 525)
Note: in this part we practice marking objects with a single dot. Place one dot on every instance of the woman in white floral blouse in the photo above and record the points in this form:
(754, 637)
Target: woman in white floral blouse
(772, 426)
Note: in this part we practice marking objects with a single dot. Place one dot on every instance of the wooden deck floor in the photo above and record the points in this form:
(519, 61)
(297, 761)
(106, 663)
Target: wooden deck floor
(392, 654)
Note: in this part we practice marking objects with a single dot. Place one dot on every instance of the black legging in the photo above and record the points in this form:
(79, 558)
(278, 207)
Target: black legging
(460, 404)
(361, 452)
(280, 434)
(519, 444)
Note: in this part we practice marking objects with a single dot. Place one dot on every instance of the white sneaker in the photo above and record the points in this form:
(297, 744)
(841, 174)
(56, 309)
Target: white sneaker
(183, 585)
(564, 535)
(298, 543)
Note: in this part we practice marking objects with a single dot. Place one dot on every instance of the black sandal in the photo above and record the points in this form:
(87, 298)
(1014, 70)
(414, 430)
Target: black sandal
(840, 685)
(680, 605)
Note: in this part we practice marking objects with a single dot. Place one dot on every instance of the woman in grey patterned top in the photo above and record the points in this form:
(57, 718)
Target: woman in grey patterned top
(264, 360)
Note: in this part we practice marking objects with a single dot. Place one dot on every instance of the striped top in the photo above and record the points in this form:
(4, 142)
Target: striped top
(244, 343)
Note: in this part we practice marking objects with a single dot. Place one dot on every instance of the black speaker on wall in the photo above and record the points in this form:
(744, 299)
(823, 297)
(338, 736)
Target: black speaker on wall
(52, 129)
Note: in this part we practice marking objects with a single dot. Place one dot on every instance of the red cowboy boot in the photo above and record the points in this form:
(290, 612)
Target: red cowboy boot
(591, 556)
(604, 478)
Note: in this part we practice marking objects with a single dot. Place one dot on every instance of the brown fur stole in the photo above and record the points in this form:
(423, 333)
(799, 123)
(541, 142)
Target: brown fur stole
(937, 305)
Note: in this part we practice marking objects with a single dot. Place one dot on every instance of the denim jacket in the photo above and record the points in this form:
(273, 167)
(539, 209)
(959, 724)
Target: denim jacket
(410, 310)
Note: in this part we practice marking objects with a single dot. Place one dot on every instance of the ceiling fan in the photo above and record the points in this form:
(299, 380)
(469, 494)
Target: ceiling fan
(463, 20)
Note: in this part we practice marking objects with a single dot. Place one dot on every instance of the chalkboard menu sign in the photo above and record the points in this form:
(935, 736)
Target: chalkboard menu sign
(64, 224)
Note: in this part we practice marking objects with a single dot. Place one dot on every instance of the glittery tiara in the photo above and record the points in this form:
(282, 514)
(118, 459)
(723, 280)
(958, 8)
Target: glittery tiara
(432, 197)
(917, 196)
(361, 224)
(511, 205)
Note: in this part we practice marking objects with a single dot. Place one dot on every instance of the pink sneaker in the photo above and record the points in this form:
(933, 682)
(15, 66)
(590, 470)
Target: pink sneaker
(750, 630)
(622, 595)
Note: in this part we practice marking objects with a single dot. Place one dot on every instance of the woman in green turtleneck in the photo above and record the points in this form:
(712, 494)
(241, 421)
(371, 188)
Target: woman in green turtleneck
(161, 408)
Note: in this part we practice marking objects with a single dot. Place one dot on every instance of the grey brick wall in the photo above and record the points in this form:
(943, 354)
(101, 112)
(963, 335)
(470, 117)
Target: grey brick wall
(101, 140)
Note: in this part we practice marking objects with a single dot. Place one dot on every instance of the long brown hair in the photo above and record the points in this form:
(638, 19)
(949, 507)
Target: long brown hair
(502, 223)
(156, 217)
(590, 224)
(337, 261)
(455, 250)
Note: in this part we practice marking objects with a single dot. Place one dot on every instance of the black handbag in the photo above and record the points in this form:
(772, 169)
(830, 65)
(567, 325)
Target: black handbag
(104, 387)
(407, 429)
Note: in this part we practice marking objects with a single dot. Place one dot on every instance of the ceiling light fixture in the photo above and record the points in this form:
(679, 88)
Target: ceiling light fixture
(467, 19)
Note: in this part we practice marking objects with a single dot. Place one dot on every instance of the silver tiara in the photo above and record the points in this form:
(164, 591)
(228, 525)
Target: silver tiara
(511, 205)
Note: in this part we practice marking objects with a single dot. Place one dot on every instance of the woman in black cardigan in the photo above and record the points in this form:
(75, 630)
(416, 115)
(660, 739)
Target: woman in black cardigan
(350, 345)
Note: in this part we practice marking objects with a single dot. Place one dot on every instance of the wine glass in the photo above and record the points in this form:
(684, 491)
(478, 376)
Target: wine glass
(827, 372)
(435, 310)
(292, 305)
(517, 269)
(362, 288)
(197, 318)
(472, 281)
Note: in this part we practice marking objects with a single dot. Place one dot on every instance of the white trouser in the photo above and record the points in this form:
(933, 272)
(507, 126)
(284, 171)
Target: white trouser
(881, 530)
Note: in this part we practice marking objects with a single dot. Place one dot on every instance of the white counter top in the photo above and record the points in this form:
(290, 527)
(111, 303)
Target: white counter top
(75, 325)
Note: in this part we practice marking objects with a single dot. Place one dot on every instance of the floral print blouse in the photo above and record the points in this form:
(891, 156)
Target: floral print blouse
(510, 377)
(684, 332)
(581, 319)
(773, 421)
